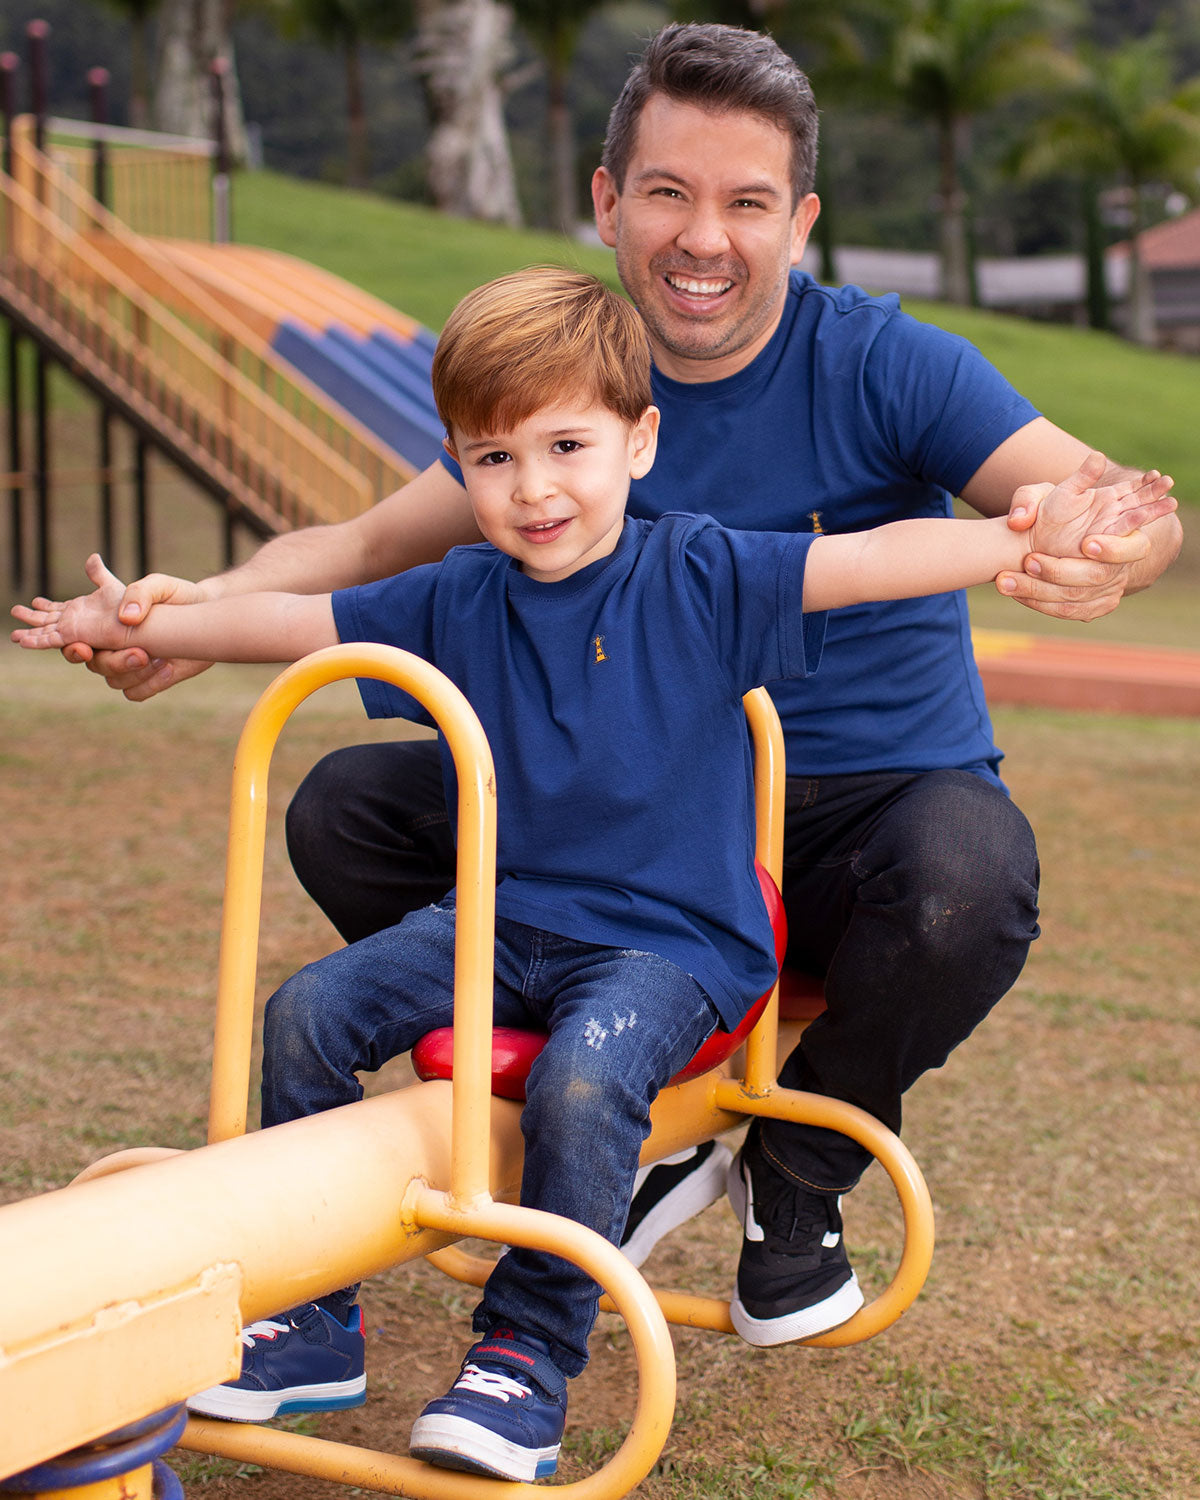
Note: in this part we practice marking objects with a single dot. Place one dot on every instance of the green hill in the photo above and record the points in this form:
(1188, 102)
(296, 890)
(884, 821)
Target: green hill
(1139, 405)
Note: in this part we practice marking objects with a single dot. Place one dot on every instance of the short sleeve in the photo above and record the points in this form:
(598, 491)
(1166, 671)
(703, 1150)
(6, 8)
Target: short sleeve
(747, 588)
(940, 404)
(394, 611)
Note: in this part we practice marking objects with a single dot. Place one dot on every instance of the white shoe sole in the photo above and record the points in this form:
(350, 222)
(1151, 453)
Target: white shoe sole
(260, 1406)
(456, 1443)
(693, 1194)
(805, 1323)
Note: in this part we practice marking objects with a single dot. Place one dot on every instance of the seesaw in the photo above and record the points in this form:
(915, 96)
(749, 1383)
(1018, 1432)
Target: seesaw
(132, 1284)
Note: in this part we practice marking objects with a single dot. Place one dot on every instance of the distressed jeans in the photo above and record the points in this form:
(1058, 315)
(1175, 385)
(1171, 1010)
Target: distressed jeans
(621, 1023)
(914, 896)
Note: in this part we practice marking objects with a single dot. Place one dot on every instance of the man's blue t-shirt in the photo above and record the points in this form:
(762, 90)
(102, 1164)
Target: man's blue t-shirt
(612, 703)
(853, 415)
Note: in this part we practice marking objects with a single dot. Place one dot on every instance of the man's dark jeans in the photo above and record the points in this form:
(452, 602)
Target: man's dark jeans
(913, 896)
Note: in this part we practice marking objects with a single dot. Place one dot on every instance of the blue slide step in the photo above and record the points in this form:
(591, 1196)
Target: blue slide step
(376, 380)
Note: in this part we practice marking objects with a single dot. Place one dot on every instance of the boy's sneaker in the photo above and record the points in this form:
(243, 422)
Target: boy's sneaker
(670, 1193)
(794, 1280)
(503, 1416)
(303, 1360)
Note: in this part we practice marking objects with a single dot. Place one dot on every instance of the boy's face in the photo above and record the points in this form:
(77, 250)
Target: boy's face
(551, 490)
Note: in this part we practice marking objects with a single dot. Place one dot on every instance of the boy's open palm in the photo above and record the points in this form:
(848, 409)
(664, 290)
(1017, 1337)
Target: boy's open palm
(1075, 510)
(91, 618)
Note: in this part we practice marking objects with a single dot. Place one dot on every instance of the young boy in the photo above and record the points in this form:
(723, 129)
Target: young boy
(607, 659)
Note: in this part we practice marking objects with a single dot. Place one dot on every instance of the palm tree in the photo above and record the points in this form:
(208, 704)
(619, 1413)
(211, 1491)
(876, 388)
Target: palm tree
(1118, 116)
(461, 52)
(554, 28)
(948, 61)
(348, 24)
(139, 13)
(192, 34)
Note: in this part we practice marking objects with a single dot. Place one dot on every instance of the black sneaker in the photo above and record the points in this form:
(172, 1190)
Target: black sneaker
(794, 1280)
(670, 1193)
(503, 1416)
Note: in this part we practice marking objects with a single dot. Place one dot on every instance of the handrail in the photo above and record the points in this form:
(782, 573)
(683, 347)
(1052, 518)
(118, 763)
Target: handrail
(251, 415)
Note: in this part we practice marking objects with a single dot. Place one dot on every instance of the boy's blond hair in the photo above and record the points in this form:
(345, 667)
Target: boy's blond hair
(540, 337)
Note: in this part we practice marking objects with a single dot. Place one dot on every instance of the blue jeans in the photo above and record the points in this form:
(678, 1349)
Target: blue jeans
(914, 896)
(621, 1024)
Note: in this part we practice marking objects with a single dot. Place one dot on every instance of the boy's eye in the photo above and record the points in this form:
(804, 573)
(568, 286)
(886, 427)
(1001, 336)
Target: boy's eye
(567, 445)
(498, 456)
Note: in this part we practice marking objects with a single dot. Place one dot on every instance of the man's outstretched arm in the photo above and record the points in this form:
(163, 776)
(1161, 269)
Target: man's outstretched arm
(1069, 588)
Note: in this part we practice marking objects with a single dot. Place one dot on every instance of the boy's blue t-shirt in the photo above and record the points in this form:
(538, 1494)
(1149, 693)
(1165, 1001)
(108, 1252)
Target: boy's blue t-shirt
(853, 415)
(612, 703)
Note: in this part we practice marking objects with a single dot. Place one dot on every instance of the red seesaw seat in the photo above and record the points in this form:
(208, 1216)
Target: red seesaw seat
(514, 1050)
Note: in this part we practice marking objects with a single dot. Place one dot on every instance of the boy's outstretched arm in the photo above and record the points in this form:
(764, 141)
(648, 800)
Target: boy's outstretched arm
(248, 627)
(909, 558)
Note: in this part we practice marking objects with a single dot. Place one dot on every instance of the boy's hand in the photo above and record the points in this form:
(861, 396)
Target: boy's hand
(90, 619)
(1080, 518)
(131, 671)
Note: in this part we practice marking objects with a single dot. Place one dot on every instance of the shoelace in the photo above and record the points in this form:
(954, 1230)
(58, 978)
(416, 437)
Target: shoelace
(265, 1328)
(793, 1209)
(490, 1383)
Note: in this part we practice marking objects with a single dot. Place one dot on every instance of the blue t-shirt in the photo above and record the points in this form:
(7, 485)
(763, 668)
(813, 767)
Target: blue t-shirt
(612, 703)
(853, 415)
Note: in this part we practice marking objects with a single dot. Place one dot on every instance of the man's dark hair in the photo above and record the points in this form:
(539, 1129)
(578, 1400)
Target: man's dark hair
(718, 68)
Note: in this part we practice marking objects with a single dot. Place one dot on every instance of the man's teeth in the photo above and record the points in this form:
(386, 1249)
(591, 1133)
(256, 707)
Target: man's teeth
(699, 288)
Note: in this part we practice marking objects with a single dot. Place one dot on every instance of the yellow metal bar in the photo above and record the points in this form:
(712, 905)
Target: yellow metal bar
(238, 962)
(509, 1225)
(769, 765)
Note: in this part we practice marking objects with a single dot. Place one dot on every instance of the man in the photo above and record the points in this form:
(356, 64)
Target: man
(910, 879)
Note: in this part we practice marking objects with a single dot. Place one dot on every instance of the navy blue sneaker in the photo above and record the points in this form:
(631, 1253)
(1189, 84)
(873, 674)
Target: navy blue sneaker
(503, 1416)
(794, 1280)
(303, 1360)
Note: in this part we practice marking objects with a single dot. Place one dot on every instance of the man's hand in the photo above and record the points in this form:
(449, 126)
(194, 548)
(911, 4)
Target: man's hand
(131, 671)
(1116, 562)
(1084, 536)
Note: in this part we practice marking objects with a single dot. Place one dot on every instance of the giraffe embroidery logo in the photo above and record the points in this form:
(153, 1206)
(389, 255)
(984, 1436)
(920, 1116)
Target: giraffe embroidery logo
(598, 643)
(815, 517)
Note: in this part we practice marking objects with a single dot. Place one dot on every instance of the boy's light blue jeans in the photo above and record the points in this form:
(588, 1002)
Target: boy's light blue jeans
(621, 1024)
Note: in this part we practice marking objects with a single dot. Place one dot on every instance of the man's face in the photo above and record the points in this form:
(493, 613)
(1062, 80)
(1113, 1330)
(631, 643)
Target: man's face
(705, 234)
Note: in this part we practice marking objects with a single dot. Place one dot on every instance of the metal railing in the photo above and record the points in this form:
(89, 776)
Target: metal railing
(114, 308)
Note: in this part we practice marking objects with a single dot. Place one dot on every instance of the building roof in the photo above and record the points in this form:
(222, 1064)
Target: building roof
(1172, 245)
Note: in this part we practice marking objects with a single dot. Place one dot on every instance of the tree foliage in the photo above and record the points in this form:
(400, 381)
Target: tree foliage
(1118, 116)
(349, 25)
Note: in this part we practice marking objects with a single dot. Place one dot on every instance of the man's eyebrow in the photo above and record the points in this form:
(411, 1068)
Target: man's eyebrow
(765, 189)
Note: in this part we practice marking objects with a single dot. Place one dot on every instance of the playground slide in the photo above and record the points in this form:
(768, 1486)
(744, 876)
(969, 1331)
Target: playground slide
(366, 356)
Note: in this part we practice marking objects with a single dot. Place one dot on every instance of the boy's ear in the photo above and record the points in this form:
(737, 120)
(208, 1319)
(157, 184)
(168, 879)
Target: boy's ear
(644, 443)
(448, 444)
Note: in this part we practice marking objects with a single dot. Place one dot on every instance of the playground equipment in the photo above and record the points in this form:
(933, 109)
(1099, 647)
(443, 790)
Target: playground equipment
(136, 1280)
(286, 395)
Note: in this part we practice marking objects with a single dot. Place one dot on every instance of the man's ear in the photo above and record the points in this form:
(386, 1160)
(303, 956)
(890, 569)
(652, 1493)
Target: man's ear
(802, 222)
(604, 201)
(644, 443)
